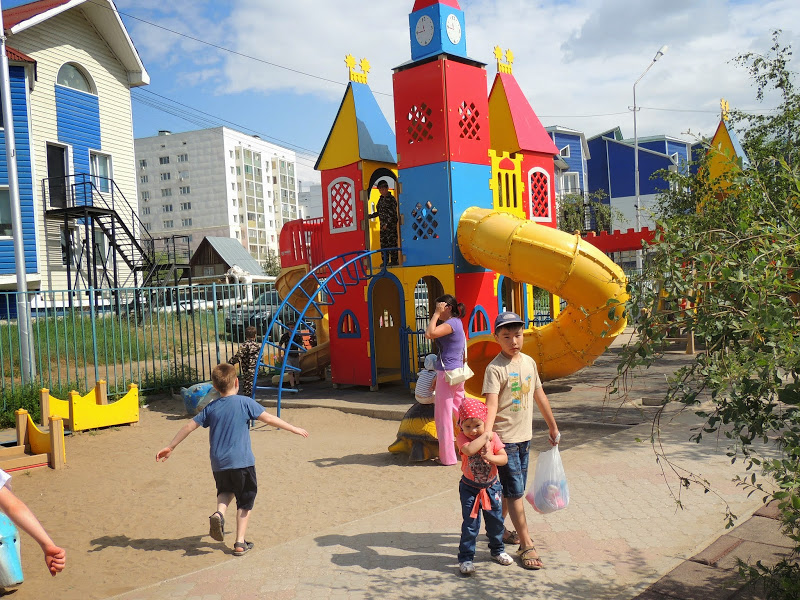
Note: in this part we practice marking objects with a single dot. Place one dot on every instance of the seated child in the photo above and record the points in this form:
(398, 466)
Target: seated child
(479, 488)
(426, 381)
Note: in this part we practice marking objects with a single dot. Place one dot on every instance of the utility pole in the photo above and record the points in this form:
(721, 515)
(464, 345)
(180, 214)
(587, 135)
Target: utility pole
(27, 358)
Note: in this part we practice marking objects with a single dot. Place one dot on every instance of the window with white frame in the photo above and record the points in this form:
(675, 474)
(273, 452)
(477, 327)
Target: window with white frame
(145, 196)
(143, 179)
(184, 190)
(166, 176)
(163, 160)
(565, 151)
(167, 208)
(5, 213)
(166, 192)
(145, 210)
(570, 183)
(186, 222)
(147, 226)
(186, 206)
(143, 163)
(183, 158)
(168, 224)
(100, 167)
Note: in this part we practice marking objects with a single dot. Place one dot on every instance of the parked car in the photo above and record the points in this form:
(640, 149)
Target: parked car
(258, 314)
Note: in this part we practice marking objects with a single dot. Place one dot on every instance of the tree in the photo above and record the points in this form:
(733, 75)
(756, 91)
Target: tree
(272, 265)
(577, 213)
(730, 253)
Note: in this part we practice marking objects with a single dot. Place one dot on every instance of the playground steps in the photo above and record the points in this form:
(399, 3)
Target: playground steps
(13, 458)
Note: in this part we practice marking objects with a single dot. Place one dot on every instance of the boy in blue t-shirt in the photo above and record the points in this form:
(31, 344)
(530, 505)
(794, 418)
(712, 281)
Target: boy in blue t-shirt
(232, 459)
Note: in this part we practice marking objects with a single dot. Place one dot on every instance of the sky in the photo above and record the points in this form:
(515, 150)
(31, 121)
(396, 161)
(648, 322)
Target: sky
(277, 69)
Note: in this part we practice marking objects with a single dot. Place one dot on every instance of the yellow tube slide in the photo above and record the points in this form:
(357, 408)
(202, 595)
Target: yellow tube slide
(560, 263)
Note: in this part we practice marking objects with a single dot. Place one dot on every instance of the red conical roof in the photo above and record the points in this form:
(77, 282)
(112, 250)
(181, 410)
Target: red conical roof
(420, 4)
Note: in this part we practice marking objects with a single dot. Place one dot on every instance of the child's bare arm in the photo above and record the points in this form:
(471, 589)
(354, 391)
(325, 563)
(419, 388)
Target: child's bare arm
(433, 385)
(498, 458)
(476, 445)
(22, 516)
(491, 410)
(547, 414)
(179, 437)
(269, 419)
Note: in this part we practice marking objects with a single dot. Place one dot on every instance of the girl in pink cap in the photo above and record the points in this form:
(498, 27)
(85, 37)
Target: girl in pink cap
(479, 488)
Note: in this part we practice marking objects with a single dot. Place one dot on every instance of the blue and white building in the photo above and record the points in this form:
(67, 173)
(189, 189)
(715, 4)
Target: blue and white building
(571, 161)
(72, 65)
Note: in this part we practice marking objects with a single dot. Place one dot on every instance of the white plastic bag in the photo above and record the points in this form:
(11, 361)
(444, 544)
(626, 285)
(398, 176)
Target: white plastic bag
(549, 491)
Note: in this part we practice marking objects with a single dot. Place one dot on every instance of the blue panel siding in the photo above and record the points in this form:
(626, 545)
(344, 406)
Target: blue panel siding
(433, 233)
(620, 160)
(655, 145)
(597, 167)
(575, 159)
(19, 108)
(470, 184)
(78, 120)
(683, 153)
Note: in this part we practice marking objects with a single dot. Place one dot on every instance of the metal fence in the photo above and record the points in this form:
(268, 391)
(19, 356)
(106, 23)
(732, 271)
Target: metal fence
(158, 338)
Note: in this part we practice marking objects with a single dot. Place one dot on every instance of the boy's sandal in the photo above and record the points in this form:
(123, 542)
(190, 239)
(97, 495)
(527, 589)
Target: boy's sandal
(534, 563)
(511, 537)
(240, 548)
(216, 527)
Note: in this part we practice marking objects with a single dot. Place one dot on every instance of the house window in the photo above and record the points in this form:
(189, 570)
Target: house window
(145, 196)
(167, 208)
(186, 206)
(147, 226)
(166, 176)
(166, 192)
(570, 183)
(69, 245)
(143, 163)
(168, 224)
(184, 190)
(163, 160)
(100, 166)
(208, 271)
(5, 213)
(183, 158)
(565, 152)
(143, 179)
(183, 175)
(186, 222)
(146, 210)
(72, 76)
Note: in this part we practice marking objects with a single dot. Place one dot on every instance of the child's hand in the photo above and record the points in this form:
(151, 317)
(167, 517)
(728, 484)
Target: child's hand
(55, 558)
(554, 437)
(300, 431)
(163, 454)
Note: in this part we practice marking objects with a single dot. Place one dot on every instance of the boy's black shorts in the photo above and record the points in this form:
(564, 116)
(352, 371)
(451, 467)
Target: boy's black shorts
(239, 482)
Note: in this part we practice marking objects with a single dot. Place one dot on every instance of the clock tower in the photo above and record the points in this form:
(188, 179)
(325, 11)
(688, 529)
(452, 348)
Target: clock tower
(442, 130)
(437, 27)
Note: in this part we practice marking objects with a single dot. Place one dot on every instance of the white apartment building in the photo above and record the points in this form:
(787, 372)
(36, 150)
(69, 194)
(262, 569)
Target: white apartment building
(216, 182)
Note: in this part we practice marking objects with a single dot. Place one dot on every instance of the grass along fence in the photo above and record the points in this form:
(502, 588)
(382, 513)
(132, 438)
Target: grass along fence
(155, 337)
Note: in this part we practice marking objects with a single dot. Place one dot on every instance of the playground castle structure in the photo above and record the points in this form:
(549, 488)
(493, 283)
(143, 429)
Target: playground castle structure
(474, 179)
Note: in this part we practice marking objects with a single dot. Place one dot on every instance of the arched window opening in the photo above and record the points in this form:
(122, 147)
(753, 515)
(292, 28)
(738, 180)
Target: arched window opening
(71, 76)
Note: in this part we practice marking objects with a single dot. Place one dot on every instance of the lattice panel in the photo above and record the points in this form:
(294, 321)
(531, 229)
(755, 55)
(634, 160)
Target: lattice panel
(341, 201)
(540, 195)
(424, 223)
(419, 124)
(468, 116)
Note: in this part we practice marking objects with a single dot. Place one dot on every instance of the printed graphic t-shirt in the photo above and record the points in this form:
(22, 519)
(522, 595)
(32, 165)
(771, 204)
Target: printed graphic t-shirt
(514, 382)
(474, 467)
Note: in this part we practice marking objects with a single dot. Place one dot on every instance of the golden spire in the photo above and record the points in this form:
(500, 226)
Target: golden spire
(724, 108)
(357, 76)
(503, 67)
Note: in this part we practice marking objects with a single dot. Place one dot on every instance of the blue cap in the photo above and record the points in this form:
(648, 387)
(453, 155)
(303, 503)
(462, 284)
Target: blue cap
(507, 318)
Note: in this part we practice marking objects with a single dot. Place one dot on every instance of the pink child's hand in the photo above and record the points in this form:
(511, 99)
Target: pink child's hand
(55, 558)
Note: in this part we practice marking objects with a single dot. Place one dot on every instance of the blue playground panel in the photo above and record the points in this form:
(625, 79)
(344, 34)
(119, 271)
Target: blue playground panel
(427, 229)
(470, 185)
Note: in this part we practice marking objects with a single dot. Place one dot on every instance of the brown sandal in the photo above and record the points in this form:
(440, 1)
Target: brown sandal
(511, 537)
(533, 563)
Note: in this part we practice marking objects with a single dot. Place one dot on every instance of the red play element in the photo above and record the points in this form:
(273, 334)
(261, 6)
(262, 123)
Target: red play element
(476, 289)
(342, 210)
(441, 114)
(350, 360)
(507, 164)
(420, 4)
(531, 135)
(539, 188)
(301, 243)
(619, 241)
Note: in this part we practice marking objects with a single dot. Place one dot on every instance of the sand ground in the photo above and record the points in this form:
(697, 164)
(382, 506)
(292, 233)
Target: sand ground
(127, 521)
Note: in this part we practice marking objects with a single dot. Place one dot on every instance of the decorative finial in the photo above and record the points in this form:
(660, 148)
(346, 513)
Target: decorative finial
(503, 67)
(358, 77)
(724, 108)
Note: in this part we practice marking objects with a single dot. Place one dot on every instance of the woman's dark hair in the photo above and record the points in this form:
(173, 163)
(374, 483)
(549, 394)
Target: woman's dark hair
(456, 307)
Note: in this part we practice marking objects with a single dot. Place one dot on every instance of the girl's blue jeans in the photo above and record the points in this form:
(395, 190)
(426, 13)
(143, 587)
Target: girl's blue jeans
(470, 528)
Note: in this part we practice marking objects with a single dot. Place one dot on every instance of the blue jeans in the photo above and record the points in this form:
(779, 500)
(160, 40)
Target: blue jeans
(514, 475)
(471, 527)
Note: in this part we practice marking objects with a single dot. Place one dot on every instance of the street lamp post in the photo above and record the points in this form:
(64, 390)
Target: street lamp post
(658, 55)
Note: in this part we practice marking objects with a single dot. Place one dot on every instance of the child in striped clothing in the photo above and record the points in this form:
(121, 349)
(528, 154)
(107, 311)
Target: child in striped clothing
(426, 381)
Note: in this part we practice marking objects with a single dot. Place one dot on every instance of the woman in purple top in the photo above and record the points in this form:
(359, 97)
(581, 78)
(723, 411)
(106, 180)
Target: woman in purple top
(448, 331)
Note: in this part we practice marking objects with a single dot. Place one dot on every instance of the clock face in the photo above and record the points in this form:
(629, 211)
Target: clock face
(424, 30)
(453, 27)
